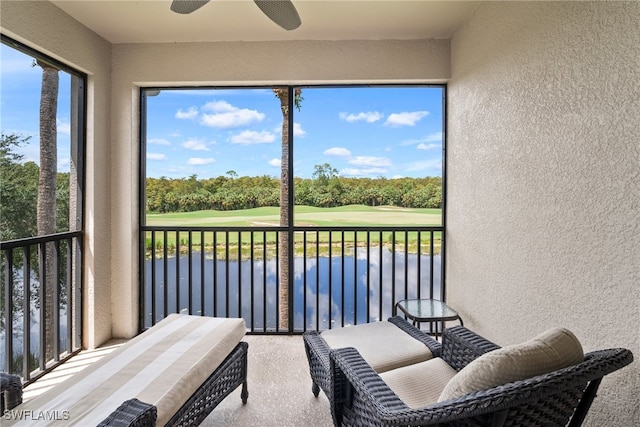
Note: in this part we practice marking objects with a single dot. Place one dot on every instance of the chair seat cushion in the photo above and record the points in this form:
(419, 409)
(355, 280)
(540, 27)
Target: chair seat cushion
(382, 344)
(553, 349)
(419, 385)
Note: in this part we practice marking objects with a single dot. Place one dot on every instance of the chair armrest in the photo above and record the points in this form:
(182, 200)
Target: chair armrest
(461, 346)
(364, 384)
(370, 401)
(10, 391)
(434, 346)
(132, 413)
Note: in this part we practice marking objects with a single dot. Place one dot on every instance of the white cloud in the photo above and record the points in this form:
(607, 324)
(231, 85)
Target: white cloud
(434, 137)
(297, 130)
(276, 163)
(191, 113)
(337, 151)
(369, 117)
(195, 145)
(363, 171)
(431, 146)
(405, 118)
(63, 127)
(156, 156)
(249, 137)
(370, 161)
(196, 161)
(432, 165)
(226, 115)
(158, 141)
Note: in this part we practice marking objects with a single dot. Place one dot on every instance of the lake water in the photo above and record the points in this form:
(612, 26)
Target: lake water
(253, 294)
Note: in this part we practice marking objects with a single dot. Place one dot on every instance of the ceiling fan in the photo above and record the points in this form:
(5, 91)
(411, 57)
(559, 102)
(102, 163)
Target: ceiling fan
(282, 12)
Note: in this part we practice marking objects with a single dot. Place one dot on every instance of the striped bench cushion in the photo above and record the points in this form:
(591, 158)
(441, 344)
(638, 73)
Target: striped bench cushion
(163, 366)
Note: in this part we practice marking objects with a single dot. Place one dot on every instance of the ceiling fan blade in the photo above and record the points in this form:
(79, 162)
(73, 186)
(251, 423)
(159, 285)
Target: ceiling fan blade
(187, 6)
(282, 12)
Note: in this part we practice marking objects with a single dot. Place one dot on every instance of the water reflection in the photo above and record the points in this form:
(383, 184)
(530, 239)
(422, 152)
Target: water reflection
(373, 280)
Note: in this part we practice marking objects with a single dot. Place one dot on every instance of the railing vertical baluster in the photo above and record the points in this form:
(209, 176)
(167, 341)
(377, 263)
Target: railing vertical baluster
(165, 273)
(330, 278)
(178, 272)
(406, 264)
(355, 277)
(393, 267)
(69, 290)
(202, 268)
(317, 280)
(26, 308)
(368, 275)
(215, 274)
(55, 305)
(153, 278)
(278, 284)
(78, 289)
(252, 278)
(264, 281)
(8, 310)
(431, 267)
(42, 247)
(380, 290)
(342, 304)
(190, 273)
(239, 273)
(419, 264)
(226, 282)
(304, 281)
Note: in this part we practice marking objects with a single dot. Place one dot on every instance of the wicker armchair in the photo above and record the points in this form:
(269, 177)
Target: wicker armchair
(324, 376)
(559, 398)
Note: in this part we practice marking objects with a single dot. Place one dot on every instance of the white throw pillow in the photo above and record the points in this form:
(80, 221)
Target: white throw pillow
(553, 349)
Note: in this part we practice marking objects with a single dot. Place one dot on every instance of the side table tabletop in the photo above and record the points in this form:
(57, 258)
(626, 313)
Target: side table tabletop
(427, 310)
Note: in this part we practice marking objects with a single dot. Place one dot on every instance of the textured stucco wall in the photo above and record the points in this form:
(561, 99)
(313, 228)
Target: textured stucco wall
(232, 63)
(47, 29)
(543, 185)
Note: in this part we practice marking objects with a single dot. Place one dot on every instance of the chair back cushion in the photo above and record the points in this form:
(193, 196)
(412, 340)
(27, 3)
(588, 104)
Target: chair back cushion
(553, 349)
(382, 344)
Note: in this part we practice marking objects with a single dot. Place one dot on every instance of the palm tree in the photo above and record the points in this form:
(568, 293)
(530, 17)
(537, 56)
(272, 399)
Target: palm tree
(46, 217)
(283, 95)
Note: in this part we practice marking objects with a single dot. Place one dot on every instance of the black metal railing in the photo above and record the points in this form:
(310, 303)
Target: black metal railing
(41, 290)
(338, 276)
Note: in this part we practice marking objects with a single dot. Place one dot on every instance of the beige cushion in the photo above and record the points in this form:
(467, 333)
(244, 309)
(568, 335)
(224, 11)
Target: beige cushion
(554, 349)
(419, 385)
(382, 344)
(162, 366)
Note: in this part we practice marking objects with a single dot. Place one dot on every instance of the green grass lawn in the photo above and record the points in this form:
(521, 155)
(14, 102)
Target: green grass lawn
(343, 216)
(352, 215)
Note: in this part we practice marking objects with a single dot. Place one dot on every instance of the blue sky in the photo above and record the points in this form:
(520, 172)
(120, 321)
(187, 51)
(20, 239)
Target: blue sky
(20, 84)
(360, 131)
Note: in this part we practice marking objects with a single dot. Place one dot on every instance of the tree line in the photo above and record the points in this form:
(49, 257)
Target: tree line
(19, 193)
(325, 189)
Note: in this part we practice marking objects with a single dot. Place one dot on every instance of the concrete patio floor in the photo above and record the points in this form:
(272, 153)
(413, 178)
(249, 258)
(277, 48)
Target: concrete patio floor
(278, 382)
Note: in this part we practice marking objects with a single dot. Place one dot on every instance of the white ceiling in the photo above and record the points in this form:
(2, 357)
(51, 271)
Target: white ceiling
(151, 21)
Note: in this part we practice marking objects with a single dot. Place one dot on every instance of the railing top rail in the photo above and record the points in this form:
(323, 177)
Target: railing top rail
(295, 228)
(27, 241)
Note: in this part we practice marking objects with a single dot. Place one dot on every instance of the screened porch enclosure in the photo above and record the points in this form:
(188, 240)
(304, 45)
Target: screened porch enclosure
(336, 190)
